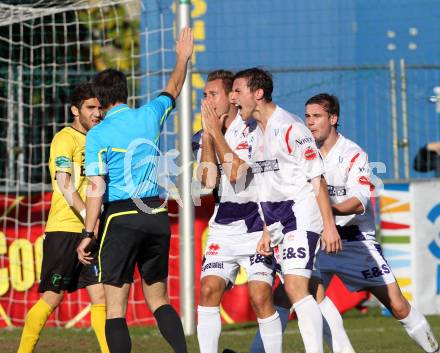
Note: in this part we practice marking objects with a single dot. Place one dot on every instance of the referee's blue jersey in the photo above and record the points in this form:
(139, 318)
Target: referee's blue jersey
(124, 148)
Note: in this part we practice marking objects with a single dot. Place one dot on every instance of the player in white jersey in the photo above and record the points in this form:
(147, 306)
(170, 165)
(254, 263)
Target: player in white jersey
(236, 225)
(361, 264)
(291, 192)
(303, 142)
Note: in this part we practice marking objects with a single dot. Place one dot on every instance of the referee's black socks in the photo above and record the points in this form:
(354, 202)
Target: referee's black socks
(171, 327)
(117, 335)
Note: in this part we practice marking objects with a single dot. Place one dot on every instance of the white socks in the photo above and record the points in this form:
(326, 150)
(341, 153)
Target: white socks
(271, 333)
(257, 344)
(310, 324)
(209, 328)
(419, 330)
(334, 332)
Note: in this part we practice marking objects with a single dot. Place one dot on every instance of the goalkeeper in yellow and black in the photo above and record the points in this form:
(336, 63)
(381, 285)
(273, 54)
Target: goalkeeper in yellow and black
(61, 270)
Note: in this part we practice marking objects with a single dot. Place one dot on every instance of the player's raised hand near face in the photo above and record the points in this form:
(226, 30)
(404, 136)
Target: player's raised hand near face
(184, 45)
(211, 123)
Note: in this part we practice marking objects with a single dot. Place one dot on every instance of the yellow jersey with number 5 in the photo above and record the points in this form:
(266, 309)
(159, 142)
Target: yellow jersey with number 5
(66, 155)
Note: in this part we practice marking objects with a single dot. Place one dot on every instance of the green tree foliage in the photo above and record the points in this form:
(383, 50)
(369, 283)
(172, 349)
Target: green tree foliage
(42, 58)
(115, 37)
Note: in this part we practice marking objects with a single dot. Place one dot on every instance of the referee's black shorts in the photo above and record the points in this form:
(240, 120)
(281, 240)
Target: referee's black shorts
(130, 236)
(61, 270)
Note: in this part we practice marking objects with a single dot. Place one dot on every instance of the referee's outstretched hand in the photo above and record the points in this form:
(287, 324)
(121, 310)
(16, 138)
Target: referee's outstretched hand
(84, 255)
(184, 49)
(184, 45)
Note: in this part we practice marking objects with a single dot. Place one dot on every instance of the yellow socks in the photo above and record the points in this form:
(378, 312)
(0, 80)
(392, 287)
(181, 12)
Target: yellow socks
(97, 320)
(35, 320)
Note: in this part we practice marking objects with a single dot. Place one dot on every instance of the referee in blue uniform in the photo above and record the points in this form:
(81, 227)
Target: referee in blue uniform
(134, 229)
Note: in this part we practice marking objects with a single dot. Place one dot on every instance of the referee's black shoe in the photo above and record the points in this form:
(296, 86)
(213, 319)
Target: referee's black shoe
(227, 350)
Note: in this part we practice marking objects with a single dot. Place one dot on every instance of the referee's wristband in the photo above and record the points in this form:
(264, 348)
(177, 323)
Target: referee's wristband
(86, 234)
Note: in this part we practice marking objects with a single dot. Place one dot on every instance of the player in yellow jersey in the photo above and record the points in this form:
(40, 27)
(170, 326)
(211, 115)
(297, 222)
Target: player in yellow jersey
(61, 269)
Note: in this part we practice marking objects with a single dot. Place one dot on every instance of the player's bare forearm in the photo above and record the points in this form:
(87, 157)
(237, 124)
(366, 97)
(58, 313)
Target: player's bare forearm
(330, 239)
(321, 193)
(348, 207)
(78, 204)
(208, 150)
(184, 48)
(234, 167)
(95, 193)
(207, 169)
(70, 194)
(93, 206)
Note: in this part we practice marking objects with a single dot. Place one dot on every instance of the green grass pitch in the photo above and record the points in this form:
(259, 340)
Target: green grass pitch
(368, 332)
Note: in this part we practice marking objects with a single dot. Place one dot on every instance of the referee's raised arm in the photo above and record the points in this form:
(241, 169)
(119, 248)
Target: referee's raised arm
(184, 49)
(121, 156)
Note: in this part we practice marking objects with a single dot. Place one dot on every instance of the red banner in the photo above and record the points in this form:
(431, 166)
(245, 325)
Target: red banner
(21, 239)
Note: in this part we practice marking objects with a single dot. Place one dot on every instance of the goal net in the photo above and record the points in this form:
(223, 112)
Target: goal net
(46, 47)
